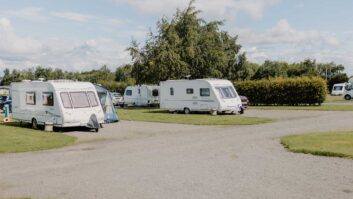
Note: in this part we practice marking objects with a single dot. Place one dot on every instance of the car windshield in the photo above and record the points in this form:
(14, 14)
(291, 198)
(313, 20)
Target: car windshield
(226, 92)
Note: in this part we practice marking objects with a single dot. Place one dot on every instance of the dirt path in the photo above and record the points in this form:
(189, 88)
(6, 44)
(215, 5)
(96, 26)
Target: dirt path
(151, 160)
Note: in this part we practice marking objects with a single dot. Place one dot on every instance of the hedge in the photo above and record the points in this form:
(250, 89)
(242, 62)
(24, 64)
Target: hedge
(284, 91)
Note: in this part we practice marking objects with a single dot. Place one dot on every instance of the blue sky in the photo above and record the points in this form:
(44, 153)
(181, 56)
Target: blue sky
(85, 34)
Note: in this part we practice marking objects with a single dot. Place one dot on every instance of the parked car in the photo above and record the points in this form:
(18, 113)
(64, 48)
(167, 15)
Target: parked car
(117, 98)
(244, 101)
(5, 100)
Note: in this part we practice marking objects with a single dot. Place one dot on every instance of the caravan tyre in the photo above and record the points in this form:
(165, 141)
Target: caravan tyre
(347, 97)
(186, 110)
(34, 124)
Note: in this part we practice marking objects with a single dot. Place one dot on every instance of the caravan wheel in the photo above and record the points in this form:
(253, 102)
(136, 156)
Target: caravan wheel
(347, 97)
(34, 124)
(186, 110)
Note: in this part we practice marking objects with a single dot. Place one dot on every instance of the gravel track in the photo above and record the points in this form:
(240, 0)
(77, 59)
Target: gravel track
(152, 160)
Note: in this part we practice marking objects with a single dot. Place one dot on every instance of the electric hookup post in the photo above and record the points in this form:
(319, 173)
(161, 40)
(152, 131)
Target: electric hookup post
(7, 113)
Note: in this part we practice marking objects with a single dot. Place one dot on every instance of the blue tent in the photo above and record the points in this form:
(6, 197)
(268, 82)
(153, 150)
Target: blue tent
(105, 98)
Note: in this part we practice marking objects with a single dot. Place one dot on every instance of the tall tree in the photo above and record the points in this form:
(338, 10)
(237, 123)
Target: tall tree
(186, 45)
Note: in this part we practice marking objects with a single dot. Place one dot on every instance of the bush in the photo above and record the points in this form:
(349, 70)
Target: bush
(284, 91)
(114, 86)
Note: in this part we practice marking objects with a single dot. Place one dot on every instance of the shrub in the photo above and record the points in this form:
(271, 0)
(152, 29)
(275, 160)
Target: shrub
(284, 91)
(112, 85)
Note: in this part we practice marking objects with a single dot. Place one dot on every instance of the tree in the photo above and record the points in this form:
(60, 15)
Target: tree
(186, 45)
(123, 73)
(6, 80)
(271, 69)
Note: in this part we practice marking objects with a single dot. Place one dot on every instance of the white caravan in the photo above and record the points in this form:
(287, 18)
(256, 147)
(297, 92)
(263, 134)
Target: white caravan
(143, 95)
(62, 103)
(202, 95)
(338, 89)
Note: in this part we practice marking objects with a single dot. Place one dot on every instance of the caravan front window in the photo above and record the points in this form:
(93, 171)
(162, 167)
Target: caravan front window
(79, 100)
(92, 99)
(66, 100)
(338, 88)
(226, 92)
(48, 99)
(31, 98)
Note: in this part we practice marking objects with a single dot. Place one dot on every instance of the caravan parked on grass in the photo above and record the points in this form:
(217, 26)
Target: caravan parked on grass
(141, 95)
(338, 89)
(62, 103)
(202, 95)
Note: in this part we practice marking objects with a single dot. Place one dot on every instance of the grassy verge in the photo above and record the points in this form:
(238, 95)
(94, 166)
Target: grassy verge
(337, 144)
(15, 139)
(330, 98)
(323, 107)
(156, 115)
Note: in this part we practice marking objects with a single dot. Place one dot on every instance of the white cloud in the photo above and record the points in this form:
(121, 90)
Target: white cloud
(84, 18)
(282, 42)
(28, 13)
(222, 8)
(19, 52)
(11, 43)
(283, 33)
(72, 16)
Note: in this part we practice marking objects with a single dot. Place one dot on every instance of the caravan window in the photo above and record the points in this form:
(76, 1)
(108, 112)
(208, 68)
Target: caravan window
(155, 93)
(79, 100)
(189, 91)
(338, 88)
(226, 92)
(128, 92)
(92, 98)
(204, 92)
(171, 91)
(31, 98)
(66, 100)
(48, 99)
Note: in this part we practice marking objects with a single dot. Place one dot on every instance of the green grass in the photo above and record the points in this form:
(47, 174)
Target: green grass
(14, 139)
(323, 107)
(156, 115)
(339, 99)
(337, 144)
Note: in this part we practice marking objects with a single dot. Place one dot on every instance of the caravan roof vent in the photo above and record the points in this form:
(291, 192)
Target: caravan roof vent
(26, 80)
(41, 79)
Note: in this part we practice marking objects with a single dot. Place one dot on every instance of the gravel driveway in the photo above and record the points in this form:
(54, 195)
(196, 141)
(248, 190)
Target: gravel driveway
(151, 160)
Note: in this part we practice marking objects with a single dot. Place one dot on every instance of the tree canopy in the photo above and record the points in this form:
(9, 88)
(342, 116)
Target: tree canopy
(186, 45)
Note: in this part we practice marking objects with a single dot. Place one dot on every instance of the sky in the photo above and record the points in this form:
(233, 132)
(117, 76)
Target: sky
(80, 35)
